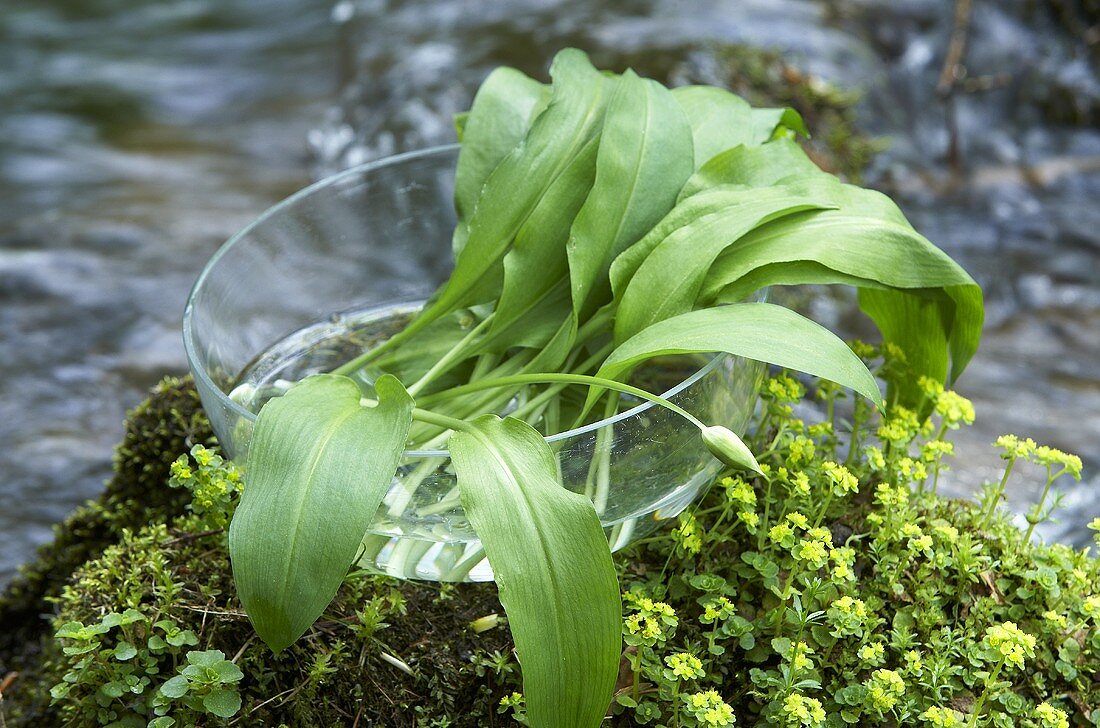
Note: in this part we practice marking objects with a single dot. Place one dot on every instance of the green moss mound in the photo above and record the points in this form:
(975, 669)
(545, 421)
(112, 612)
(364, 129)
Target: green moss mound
(171, 420)
(839, 590)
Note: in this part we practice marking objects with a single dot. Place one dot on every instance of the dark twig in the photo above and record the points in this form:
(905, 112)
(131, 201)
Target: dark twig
(6, 683)
(193, 536)
(952, 74)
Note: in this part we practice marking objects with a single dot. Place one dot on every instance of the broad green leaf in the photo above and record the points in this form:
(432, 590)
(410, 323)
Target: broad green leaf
(719, 120)
(923, 325)
(799, 272)
(866, 242)
(697, 207)
(515, 187)
(175, 687)
(537, 266)
(317, 468)
(552, 566)
(644, 158)
(761, 166)
(654, 293)
(222, 703)
(761, 331)
(498, 119)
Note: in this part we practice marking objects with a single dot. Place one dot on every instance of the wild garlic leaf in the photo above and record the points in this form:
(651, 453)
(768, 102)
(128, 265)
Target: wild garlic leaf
(697, 207)
(578, 99)
(929, 329)
(760, 166)
(654, 294)
(536, 268)
(498, 119)
(761, 331)
(645, 156)
(866, 242)
(552, 566)
(719, 120)
(317, 468)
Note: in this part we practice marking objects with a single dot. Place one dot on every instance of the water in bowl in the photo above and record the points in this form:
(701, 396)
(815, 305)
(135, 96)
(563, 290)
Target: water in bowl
(420, 530)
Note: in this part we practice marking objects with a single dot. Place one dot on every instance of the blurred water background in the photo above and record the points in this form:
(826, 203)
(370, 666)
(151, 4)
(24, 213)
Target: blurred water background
(135, 137)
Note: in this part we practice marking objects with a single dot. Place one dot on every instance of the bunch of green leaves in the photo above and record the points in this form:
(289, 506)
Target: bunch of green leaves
(843, 591)
(603, 220)
(115, 674)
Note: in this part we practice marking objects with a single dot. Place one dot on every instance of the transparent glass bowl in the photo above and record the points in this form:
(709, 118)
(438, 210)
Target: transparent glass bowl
(376, 239)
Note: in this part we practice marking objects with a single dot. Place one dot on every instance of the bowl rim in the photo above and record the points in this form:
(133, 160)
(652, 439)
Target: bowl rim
(202, 377)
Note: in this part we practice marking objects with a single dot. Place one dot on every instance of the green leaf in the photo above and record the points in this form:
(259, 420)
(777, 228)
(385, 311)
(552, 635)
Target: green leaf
(761, 331)
(760, 166)
(552, 566)
(222, 703)
(644, 158)
(653, 294)
(317, 468)
(227, 671)
(205, 658)
(536, 267)
(175, 687)
(561, 132)
(124, 651)
(498, 119)
(719, 120)
(692, 209)
(868, 243)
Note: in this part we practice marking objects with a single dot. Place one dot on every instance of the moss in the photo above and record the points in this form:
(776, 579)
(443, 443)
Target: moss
(157, 430)
(420, 663)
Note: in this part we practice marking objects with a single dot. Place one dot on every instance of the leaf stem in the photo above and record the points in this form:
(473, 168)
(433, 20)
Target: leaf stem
(552, 377)
(452, 357)
(981, 699)
(434, 418)
(998, 493)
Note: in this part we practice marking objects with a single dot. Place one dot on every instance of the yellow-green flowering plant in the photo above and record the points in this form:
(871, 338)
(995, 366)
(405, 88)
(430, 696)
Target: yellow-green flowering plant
(901, 608)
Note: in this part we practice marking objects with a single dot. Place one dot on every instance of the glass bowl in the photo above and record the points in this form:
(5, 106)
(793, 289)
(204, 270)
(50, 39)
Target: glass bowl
(336, 262)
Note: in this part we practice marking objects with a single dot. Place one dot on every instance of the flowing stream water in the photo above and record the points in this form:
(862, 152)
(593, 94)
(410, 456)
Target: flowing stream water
(135, 137)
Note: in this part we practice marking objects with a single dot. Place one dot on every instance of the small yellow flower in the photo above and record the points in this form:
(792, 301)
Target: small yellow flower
(884, 689)
(1011, 643)
(709, 708)
(1051, 717)
(798, 520)
(716, 610)
(914, 665)
(1014, 448)
(799, 710)
(873, 654)
(942, 717)
(954, 409)
(685, 666)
